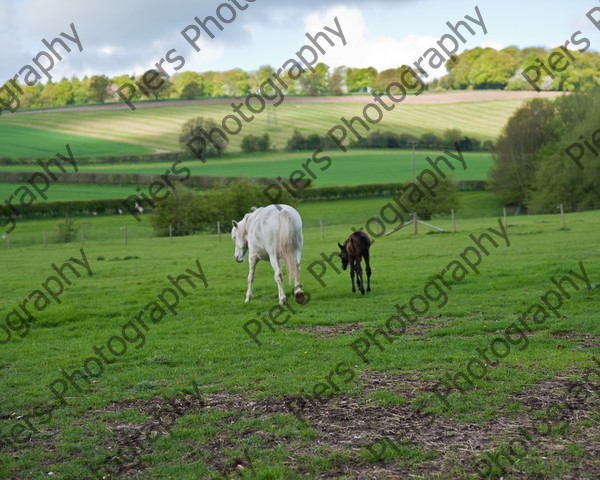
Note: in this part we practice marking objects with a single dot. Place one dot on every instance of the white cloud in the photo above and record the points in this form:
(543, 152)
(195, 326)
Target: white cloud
(493, 44)
(365, 48)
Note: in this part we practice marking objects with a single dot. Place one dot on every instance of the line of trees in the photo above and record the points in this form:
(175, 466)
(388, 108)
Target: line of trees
(388, 139)
(487, 68)
(478, 68)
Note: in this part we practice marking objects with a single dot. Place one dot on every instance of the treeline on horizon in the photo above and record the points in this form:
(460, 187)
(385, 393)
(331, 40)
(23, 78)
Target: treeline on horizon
(478, 68)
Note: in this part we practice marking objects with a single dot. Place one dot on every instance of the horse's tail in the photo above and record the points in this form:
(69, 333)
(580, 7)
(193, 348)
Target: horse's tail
(290, 242)
(287, 243)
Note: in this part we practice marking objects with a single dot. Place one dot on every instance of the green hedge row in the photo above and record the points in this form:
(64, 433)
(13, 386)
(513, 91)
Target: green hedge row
(149, 157)
(71, 208)
(195, 181)
(374, 190)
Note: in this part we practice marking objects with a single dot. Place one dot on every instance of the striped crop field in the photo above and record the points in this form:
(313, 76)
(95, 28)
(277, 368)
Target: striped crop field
(158, 127)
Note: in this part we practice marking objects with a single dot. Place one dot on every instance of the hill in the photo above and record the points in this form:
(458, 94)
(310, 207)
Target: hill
(157, 125)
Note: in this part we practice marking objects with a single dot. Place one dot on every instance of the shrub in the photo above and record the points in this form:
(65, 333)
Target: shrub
(188, 212)
(194, 128)
(252, 143)
(66, 230)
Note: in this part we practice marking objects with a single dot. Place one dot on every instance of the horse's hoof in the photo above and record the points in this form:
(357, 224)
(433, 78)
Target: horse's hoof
(282, 301)
(299, 296)
(362, 291)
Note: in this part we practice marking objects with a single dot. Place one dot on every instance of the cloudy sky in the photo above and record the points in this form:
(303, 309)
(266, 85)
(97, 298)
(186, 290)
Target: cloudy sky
(129, 36)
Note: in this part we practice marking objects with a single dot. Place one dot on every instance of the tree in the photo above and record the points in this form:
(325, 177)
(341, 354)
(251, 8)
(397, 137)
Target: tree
(201, 127)
(297, 142)
(63, 93)
(513, 171)
(98, 88)
(252, 143)
(335, 82)
(360, 79)
(31, 95)
(236, 82)
(260, 76)
(384, 78)
(191, 91)
(445, 199)
(492, 69)
(315, 83)
(213, 84)
(46, 98)
(558, 179)
(187, 85)
(176, 210)
(188, 212)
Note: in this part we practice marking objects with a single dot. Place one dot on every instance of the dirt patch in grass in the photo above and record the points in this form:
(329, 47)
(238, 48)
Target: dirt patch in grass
(346, 425)
(420, 328)
(584, 340)
(330, 331)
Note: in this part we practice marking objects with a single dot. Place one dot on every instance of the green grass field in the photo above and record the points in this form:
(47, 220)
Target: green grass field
(24, 141)
(65, 192)
(159, 128)
(254, 414)
(355, 167)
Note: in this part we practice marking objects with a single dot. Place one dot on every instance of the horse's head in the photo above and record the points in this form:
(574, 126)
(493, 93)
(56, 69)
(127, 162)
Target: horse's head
(240, 238)
(343, 256)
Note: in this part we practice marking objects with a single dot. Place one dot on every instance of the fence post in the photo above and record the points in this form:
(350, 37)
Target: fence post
(125, 234)
(504, 214)
(453, 221)
(562, 216)
(219, 229)
(170, 232)
(415, 222)
(322, 228)
(82, 235)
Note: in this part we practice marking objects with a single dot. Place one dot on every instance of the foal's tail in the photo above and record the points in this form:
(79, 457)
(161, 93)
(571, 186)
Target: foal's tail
(289, 244)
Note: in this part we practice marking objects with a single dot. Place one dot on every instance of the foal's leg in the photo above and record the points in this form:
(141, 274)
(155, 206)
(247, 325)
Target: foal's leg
(359, 277)
(368, 265)
(278, 277)
(352, 273)
(252, 260)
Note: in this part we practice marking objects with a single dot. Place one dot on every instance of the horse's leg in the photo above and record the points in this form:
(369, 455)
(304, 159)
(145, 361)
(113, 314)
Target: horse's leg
(252, 260)
(352, 273)
(359, 278)
(298, 293)
(368, 268)
(278, 277)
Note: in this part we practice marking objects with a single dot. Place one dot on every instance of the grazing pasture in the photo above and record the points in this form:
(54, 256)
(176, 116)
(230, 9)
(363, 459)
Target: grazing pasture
(194, 396)
(354, 167)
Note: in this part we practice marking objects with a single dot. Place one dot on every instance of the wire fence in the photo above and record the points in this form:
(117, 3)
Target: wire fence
(124, 230)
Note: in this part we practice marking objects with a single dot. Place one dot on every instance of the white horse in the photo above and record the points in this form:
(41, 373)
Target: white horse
(271, 233)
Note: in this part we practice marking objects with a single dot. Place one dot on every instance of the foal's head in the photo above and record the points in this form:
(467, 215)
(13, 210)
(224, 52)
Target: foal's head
(344, 255)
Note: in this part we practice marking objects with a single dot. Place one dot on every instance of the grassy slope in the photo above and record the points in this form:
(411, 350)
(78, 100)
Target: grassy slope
(19, 140)
(160, 127)
(205, 342)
